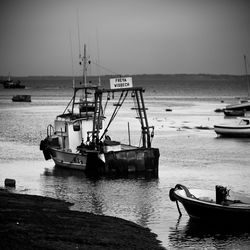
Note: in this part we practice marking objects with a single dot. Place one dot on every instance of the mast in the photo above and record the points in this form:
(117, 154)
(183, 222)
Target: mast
(85, 66)
(84, 58)
(98, 59)
(248, 88)
(72, 61)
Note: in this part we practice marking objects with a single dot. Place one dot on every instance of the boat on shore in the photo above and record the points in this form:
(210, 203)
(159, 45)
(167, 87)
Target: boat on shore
(79, 140)
(21, 98)
(211, 206)
(240, 129)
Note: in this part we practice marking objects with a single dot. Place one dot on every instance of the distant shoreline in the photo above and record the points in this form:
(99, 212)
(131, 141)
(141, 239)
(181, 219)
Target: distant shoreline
(133, 75)
(155, 85)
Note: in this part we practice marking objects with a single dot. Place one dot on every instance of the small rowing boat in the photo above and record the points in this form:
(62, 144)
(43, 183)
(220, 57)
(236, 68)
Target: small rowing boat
(210, 206)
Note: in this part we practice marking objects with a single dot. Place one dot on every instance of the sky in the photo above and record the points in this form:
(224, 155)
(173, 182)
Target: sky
(124, 36)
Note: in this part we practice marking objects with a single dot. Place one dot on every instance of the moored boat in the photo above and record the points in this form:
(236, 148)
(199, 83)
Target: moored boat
(239, 129)
(211, 206)
(21, 98)
(79, 140)
(232, 112)
(10, 84)
(13, 85)
(243, 107)
(239, 109)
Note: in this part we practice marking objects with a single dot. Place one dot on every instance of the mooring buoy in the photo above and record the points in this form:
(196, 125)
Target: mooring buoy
(10, 183)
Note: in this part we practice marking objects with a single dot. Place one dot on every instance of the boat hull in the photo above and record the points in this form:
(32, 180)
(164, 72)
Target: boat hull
(68, 159)
(139, 160)
(228, 112)
(229, 131)
(199, 209)
(12, 85)
(21, 98)
(132, 161)
(211, 211)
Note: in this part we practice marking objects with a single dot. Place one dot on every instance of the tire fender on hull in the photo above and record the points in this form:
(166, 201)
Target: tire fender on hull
(45, 149)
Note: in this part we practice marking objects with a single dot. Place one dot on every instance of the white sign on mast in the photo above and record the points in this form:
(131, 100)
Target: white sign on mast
(121, 83)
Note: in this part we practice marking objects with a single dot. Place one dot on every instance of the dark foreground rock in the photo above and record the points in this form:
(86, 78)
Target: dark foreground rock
(35, 222)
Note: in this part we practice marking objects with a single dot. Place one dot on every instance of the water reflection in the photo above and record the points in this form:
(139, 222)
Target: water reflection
(64, 173)
(74, 186)
(196, 235)
(146, 199)
(132, 198)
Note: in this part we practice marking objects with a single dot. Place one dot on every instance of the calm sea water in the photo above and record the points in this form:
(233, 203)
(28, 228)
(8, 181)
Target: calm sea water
(190, 155)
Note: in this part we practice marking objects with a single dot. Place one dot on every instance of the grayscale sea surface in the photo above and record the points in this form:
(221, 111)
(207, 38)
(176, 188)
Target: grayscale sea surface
(190, 154)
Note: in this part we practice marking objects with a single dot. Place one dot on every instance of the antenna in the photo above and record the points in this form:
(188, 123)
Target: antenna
(72, 62)
(84, 58)
(84, 66)
(78, 29)
(98, 58)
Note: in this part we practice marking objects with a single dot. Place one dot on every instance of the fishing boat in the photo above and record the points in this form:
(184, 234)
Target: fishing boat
(211, 206)
(79, 140)
(21, 98)
(239, 129)
(10, 84)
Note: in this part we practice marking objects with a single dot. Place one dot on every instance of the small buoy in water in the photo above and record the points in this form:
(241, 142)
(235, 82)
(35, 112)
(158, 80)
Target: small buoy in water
(10, 183)
(168, 110)
(222, 101)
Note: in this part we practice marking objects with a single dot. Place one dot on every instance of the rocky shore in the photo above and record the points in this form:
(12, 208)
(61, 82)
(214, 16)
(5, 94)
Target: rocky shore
(35, 222)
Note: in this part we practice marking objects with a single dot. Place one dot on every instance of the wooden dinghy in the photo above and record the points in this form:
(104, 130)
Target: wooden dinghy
(211, 206)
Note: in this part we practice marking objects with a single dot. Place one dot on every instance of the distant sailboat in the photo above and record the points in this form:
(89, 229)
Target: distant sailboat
(243, 106)
(246, 98)
(247, 79)
(10, 84)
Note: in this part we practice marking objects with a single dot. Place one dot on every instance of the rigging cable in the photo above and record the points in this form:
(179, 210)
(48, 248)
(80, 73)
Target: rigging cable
(118, 106)
(108, 70)
(136, 105)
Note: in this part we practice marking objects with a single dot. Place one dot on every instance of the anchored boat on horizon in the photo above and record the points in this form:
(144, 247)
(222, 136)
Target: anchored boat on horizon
(10, 84)
(243, 107)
